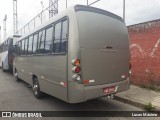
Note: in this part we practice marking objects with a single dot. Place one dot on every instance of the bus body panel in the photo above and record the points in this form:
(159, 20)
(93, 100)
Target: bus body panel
(50, 69)
(50, 74)
(79, 93)
(106, 66)
(88, 46)
(104, 48)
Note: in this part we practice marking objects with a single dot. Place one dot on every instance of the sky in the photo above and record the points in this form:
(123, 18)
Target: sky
(137, 11)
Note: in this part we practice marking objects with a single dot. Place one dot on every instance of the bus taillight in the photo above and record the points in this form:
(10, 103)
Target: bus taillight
(76, 69)
(77, 77)
(76, 62)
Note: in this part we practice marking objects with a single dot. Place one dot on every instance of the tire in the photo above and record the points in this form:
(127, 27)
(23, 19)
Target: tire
(16, 77)
(36, 89)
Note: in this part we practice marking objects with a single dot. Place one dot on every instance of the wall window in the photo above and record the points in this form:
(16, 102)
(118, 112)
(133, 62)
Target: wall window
(35, 43)
(41, 38)
(30, 41)
(48, 41)
(57, 38)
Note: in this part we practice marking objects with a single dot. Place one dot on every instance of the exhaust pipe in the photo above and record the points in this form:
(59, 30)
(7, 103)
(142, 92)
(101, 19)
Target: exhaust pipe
(111, 96)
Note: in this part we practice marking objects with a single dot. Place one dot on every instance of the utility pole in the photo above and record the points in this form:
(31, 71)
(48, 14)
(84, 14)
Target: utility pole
(53, 8)
(66, 4)
(0, 34)
(124, 11)
(4, 27)
(15, 18)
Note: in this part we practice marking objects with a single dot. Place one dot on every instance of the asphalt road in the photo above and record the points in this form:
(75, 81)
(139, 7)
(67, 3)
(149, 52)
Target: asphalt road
(16, 96)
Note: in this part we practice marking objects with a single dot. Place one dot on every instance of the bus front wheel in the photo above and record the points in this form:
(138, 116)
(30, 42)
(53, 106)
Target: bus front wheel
(36, 89)
(16, 76)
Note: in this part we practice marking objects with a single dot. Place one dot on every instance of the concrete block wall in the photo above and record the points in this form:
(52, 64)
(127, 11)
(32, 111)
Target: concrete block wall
(145, 53)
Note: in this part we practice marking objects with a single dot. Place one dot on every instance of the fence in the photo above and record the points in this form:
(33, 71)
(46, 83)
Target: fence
(136, 11)
(45, 14)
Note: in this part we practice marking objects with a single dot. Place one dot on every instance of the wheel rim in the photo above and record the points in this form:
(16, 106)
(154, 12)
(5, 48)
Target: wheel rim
(35, 88)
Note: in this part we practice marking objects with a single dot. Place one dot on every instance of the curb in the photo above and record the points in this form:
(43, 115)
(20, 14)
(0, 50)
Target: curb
(134, 103)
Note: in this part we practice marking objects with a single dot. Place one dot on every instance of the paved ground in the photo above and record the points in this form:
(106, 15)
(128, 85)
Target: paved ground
(16, 96)
(140, 96)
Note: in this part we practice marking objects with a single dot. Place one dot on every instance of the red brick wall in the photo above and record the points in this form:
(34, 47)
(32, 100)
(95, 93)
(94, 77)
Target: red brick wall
(145, 53)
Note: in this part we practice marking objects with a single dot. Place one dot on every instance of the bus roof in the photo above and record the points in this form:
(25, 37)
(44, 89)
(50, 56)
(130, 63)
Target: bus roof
(97, 10)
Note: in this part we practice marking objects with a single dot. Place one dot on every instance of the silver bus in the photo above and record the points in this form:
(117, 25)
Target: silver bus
(7, 52)
(78, 55)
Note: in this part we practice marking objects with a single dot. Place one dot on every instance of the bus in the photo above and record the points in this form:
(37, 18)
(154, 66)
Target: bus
(80, 54)
(7, 53)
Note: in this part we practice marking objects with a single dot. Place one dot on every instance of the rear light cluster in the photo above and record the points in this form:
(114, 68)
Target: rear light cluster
(77, 70)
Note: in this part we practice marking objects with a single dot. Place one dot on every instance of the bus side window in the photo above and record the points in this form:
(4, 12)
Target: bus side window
(48, 40)
(41, 37)
(30, 43)
(57, 38)
(19, 48)
(23, 49)
(35, 43)
(64, 36)
(26, 46)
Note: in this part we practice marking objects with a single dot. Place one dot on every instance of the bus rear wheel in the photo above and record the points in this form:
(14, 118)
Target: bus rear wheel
(36, 88)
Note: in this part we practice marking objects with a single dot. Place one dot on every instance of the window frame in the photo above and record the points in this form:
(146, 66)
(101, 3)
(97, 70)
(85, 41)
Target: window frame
(36, 33)
(41, 30)
(23, 46)
(32, 35)
(47, 27)
(26, 46)
(53, 38)
(61, 20)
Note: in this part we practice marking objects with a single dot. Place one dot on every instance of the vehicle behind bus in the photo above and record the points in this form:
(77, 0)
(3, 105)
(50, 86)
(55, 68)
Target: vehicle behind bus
(7, 53)
(80, 54)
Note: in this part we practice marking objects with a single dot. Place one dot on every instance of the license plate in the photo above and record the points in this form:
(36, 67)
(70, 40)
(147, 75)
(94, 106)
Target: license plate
(109, 90)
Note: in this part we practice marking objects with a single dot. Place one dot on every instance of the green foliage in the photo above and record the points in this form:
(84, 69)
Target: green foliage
(149, 107)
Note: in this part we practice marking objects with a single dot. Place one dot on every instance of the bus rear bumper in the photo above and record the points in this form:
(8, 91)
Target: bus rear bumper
(92, 92)
(80, 93)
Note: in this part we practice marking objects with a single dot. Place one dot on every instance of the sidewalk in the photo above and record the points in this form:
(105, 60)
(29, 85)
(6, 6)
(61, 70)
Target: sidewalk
(139, 97)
